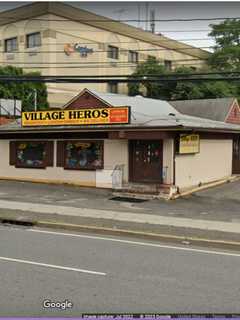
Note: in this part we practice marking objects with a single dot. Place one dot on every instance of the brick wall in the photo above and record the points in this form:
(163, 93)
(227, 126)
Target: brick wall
(4, 120)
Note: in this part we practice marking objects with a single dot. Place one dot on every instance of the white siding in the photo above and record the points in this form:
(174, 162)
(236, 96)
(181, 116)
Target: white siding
(115, 152)
(214, 162)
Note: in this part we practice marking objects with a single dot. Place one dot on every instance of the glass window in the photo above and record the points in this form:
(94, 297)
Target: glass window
(84, 155)
(112, 87)
(133, 56)
(113, 52)
(11, 45)
(168, 64)
(31, 154)
(33, 40)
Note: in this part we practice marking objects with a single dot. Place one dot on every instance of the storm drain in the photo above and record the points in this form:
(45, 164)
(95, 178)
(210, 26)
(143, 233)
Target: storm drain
(17, 222)
(126, 199)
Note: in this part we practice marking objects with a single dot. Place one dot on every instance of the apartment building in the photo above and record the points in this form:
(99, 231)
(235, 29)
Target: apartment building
(58, 39)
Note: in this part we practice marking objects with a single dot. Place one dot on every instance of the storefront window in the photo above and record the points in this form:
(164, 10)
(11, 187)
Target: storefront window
(31, 154)
(84, 155)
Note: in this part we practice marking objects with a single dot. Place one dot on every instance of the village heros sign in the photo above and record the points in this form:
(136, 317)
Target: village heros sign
(91, 116)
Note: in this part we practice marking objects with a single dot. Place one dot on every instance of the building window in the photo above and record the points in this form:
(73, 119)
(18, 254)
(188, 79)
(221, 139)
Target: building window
(11, 45)
(112, 87)
(33, 40)
(133, 56)
(168, 64)
(31, 154)
(83, 155)
(113, 52)
(151, 58)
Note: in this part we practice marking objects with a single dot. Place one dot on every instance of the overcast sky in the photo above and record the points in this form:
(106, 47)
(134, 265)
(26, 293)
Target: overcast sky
(163, 10)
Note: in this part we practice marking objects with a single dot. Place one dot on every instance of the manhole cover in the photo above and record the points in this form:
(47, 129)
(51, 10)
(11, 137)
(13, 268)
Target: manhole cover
(126, 199)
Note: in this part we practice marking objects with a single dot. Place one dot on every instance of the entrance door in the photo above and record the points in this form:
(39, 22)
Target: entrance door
(236, 156)
(146, 161)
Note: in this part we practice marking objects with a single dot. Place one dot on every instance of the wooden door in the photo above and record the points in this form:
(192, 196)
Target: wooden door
(146, 161)
(236, 155)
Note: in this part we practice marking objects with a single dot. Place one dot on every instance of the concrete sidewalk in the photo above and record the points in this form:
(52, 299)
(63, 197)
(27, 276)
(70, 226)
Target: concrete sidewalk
(148, 225)
(203, 218)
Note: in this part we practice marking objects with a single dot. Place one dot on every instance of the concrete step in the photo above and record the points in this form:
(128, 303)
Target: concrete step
(141, 196)
(146, 189)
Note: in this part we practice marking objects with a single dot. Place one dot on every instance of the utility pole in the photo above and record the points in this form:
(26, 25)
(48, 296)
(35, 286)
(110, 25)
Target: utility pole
(35, 99)
(146, 23)
(139, 13)
(152, 21)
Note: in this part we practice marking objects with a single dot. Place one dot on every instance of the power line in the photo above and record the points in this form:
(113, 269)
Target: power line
(129, 42)
(109, 20)
(151, 75)
(157, 32)
(173, 74)
(94, 62)
(159, 80)
(88, 67)
(120, 50)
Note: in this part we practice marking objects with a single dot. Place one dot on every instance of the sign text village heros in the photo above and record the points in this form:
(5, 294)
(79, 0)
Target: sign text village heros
(90, 116)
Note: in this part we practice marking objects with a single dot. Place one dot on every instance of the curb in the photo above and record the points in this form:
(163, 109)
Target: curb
(168, 238)
(204, 187)
(234, 245)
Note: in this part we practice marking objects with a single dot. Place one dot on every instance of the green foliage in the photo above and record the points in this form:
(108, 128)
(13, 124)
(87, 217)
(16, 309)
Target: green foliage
(226, 55)
(23, 90)
(204, 90)
(151, 66)
(179, 90)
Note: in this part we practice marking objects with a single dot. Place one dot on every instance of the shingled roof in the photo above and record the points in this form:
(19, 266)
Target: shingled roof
(214, 109)
(146, 113)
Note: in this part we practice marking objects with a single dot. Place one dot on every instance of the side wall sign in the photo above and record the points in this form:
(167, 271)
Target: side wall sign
(189, 143)
(83, 51)
(91, 116)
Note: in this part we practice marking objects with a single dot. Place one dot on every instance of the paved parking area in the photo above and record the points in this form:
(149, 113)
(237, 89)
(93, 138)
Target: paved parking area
(219, 203)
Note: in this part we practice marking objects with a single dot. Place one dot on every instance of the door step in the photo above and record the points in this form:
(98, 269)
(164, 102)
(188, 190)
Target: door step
(140, 196)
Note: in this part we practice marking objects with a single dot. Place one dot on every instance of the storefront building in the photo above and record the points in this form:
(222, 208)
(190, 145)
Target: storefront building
(220, 109)
(116, 141)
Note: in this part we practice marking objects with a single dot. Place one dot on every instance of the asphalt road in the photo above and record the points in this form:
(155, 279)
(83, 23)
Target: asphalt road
(107, 274)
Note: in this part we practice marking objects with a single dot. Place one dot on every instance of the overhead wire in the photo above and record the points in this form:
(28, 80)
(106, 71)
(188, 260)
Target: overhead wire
(120, 50)
(128, 42)
(107, 80)
(110, 20)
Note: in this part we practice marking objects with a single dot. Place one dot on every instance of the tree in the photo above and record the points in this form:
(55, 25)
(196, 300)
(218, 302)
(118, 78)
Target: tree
(226, 55)
(178, 90)
(23, 91)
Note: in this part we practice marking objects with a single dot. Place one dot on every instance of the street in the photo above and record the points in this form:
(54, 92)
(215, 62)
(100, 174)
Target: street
(97, 273)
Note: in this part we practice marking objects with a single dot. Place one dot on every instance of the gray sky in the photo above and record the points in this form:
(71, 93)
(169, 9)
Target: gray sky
(163, 10)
